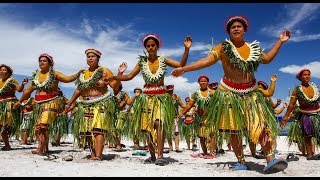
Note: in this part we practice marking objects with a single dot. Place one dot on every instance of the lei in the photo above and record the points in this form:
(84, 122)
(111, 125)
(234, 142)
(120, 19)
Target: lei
(46, 83)
(253, 61)
(93, 80)
(201, 100)
(148, 77)
(7, 85)
(304, 98)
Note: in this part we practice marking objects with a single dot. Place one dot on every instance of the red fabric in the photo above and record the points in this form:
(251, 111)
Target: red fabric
(161, 91)
(43, 97)
(6, 97)
(310, 108)
(239, 85)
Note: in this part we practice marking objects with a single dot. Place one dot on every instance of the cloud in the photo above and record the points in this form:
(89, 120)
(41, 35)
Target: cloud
(23, 42)
(294, 17)
(294, 69)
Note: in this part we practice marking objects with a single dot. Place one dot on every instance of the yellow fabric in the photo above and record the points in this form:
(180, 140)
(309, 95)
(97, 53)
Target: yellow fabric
(3, 82)
(255, 119)
(244, 52)
(88, 74)
(43, 77)
(8, 119)
(147, 123)
(49, 111)
(99, 120)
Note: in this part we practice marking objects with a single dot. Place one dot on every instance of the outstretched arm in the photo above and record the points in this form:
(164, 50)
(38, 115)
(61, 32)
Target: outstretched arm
(268, 57)
(126, 77)
(183, 61)
(66, 79)
(207, 61)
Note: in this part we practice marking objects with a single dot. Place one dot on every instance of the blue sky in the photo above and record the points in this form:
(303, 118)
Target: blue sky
(66, 30)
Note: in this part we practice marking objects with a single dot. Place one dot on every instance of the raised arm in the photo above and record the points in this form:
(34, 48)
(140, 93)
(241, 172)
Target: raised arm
(24, 82)
(279, 111)
(207, 61)
(183, 61)
(66, 79)
(268, 57)
(127, 77)
(269, 92)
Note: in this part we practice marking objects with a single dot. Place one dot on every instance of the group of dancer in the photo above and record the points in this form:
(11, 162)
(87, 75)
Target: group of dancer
(240, 108)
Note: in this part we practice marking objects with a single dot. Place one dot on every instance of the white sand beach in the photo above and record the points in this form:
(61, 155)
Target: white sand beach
(19, 162)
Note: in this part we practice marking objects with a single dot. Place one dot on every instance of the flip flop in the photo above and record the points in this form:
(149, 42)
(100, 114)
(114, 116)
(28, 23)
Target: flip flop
(195, 155)
(238, 166)
(292, 157)
(160, 162)
(150, 160)
(275, 165)
(209, 157)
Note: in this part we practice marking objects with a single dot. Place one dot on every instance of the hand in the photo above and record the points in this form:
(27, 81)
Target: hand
(283, 123)
(285, 105)
(274, 77)
(25, 81)
(123, 66)
(278, 101)
(177, 72)
(188, 42)
(285, 35)
(16, 105)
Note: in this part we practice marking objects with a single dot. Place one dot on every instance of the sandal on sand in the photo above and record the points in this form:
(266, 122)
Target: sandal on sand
(178, 151)
(209, 157)
(195, 155)
(291, 157)
(275, 165)
(68, 158)
(160, 162)
(150, 160)
(51, 157)
(314, 157)
(4, 148)
(238, 166)
(259, 156)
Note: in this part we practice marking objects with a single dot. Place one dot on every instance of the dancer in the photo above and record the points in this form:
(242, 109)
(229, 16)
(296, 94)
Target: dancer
(154, 112)
(240, 59)
(307, 114)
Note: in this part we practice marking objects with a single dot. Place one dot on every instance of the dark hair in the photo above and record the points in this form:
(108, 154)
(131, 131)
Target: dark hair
(8, 69)
(146, 40)
(137, 89)
(49, 60)
(244, 24)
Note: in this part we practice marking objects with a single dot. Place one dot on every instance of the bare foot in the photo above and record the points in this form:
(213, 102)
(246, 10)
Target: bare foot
(37, 151)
